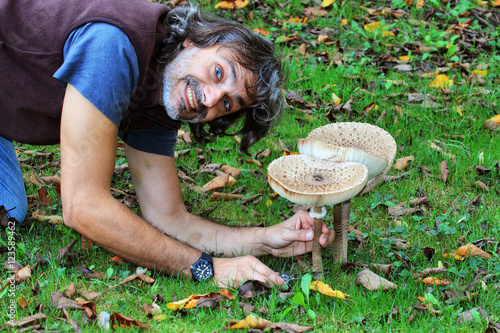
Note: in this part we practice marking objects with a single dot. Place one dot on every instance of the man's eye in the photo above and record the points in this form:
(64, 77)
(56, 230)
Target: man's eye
(227, 105)
(218, 72)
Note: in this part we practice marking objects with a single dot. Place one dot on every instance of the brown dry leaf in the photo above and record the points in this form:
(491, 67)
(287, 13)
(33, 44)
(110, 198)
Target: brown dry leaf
(255, 162)
(86, 244)
(31, 320)
(21, 302)
(34, 180)
(327, 290)
(432, 280)
(63, 252)
(70, 290)
(430, 270)
(315, 11)
(54, 180)
(470, 250)
(439, 149)
(71, 321)
(402, 163)
(52, 219)
(252, 288)
(386, 269)
(218, 182)
(143, 277)
(43, 197)
(89, 307)
(480, 185)
(23, 274)
(444, 171)
(125, 322)
(265, 153)
(89, 295)
(255, 322)
(232, 171)
(59, 301)
(374, 282)
(218, 196)
(90, 274)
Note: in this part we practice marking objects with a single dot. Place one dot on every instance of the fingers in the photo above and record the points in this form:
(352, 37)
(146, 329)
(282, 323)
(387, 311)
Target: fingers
(231, 272)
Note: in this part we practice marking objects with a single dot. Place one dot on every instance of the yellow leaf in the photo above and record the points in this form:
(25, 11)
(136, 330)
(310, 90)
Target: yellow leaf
(269, 203)
(388, 34)
(457, 108)
(371, 27)
(404, 58)
(241, 4)
(326, 290)
(420, 4)
(344, 21)
(225, 5)
(496, 3)
(480, 72)
(441, 81)
(251, 321)
(481, 3)
(336, 99)
(496, 119)
(327, 3)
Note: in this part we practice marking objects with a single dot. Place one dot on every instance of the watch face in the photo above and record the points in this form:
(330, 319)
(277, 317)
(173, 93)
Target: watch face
(202, 270)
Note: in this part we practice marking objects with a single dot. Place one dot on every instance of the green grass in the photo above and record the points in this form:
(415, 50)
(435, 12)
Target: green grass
(360, 78)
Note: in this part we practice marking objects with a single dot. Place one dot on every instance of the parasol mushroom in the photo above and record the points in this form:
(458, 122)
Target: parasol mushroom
(317, 183)
(355, 142)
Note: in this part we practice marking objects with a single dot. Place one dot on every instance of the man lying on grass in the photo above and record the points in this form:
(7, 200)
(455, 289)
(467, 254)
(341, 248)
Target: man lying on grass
(91, 71)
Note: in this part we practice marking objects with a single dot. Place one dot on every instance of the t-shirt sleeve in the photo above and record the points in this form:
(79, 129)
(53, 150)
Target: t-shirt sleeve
(101, 63)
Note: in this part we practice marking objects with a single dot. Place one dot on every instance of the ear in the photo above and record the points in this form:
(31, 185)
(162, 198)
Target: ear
(187, 43)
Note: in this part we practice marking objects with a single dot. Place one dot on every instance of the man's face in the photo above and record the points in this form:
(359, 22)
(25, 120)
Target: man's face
(202, 84)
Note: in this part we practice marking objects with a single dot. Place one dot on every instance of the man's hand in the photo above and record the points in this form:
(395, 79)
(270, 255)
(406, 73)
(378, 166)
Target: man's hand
(294, 236)
(230, 272)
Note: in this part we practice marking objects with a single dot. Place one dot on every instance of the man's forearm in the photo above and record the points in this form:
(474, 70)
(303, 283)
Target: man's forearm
(215, 238)
(120, 231)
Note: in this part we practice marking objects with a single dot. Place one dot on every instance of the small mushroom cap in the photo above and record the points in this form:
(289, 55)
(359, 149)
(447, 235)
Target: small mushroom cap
(319, 149)
(371, 139)
(310, 181)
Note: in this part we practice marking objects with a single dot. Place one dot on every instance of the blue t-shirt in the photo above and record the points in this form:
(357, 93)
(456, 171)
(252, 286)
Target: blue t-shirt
(101, 63)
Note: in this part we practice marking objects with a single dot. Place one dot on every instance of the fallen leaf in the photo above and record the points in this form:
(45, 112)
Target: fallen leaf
(70, 290)
(402, 163)
(444, 171)
(43, 197)
(89, 308)
(52, 219)
(218, 196)
(192, 301)
(89, 295)
(326, 290)
(470, 250)
(125, 322)
(116, 260)
(492, 123)
(435, 281)
(441, 82)
(31, 320)
(374, 282)
(336, 100)
(232, 171)
(255, 322)
(23, 274)
(255, 162)
(63, 252)
(143, 277)
(326, 3)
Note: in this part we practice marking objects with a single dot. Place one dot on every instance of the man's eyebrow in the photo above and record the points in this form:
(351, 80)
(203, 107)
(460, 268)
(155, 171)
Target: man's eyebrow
(232, 65)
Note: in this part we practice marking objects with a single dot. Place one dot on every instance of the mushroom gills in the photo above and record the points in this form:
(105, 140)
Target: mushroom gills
(325, 151)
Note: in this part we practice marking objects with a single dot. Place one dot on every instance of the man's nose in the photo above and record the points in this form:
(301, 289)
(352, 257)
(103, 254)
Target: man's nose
(212, 95)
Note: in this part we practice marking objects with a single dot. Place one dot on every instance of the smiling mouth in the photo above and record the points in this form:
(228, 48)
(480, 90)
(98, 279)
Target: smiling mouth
(189, 93)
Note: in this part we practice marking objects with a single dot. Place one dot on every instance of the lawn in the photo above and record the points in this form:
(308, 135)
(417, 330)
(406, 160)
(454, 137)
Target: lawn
(428, 73)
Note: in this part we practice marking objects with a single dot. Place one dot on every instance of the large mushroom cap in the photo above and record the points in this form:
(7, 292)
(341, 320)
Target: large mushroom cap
(376, 143)
(315, 182)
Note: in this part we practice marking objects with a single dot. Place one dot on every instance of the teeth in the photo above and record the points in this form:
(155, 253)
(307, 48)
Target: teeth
(189, 93)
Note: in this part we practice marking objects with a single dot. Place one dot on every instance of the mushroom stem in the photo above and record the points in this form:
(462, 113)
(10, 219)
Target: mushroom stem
(316, 250)
(341, 213)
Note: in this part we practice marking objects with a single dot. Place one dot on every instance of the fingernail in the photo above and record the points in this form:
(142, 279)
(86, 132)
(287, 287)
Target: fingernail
(309, 234)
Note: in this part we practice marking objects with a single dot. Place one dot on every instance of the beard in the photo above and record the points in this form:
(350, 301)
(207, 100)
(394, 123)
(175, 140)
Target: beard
(175, 74)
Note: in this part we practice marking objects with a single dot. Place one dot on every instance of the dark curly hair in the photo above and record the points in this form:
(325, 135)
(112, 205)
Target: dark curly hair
(252, 51)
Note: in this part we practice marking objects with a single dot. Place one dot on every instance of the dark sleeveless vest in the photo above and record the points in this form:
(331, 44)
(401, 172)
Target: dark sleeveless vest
(32, 37)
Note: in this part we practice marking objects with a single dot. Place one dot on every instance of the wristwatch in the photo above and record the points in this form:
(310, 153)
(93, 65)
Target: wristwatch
(203, 269)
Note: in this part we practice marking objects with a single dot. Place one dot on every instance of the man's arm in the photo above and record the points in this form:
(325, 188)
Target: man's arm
(88, 151)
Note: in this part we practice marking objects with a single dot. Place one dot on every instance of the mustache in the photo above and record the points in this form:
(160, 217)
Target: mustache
(198, 95)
